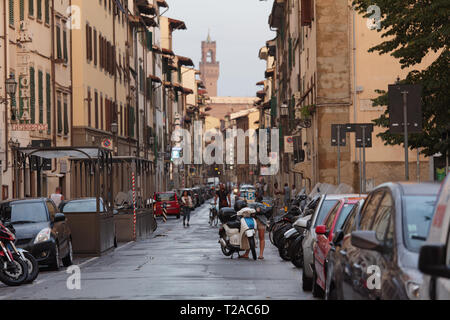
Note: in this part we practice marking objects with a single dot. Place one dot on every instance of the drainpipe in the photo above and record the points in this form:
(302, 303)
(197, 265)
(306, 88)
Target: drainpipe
(5, 48)
(54, 80)
(136, 68)
(355, 79)
(71, 85)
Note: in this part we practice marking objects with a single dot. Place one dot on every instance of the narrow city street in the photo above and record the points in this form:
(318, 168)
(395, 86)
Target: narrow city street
(175, 263)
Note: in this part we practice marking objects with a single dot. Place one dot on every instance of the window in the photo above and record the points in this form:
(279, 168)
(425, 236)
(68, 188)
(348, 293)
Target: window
(343, 215)
(66, 115)
(101, 112)
(31, 7)
(382, 218)
(327, 205)
(349, 223)
(95, 47)
(51, 210)
(22, 10)
(32, 95)
(330, 218)
(59, 114)
(89, 107)
(47, 11)
(11, 12)
(33, 212)
(65, 53)
(58, 42)
(369, 210)
(96, 108)
(82, 206)
(39, 9)
(41, 96)
(88, 43)
(49, 102)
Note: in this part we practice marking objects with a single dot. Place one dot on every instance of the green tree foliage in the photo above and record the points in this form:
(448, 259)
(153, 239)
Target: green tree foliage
(410, 30)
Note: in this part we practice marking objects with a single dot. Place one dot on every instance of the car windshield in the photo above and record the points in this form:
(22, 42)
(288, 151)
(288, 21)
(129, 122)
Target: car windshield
(82, 206)
(343, 216)
(165, 197)
(327, 205)
(30, 212)
(417, 218)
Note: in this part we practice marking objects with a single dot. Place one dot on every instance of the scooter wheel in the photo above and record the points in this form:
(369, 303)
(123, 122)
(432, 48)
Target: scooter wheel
(251, 241)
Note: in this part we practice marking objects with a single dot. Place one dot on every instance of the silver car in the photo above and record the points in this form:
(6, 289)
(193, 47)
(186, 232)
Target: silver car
(326, 203)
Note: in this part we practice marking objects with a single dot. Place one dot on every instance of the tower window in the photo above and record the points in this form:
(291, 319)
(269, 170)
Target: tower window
(209, 55)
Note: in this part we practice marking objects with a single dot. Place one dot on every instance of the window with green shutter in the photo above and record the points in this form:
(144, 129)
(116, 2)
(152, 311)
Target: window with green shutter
(141, 80)
(49, 102)
(31, 7)
(47, 11)
(59, 116)
(41, 96)
(149, 40)
(66, 118)
(22, 10)
(39, 9)
(11, 12)
(290, 53)
(149, 89)
(131, 119)
(66, 56)
(58, 42)
(21, 105)
(32, 96)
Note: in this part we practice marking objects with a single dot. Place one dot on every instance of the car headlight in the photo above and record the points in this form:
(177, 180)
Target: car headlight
(413, 290)
(43, 235)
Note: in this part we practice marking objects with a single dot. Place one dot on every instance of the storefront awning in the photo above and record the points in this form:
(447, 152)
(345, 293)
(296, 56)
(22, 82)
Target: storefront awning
(154, 79)
(185, 61)
(65, 152)
(145, 7)
(162, 3)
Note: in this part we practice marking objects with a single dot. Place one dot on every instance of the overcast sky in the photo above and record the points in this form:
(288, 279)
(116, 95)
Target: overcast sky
(240, 29)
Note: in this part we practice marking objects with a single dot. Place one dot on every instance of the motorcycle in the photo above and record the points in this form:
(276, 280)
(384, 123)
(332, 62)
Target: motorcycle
(238, 231)
(13, 268)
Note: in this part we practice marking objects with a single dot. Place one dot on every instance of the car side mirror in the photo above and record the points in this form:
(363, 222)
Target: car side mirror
(432, 261)
(366, 240)
(338, 237)
(59, 217)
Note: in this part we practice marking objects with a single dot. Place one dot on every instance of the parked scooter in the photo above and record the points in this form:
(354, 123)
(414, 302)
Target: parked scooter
(238, 230)
(13, 268)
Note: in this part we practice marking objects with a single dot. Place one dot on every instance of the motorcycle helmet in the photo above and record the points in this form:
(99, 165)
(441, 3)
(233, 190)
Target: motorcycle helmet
(239, 205)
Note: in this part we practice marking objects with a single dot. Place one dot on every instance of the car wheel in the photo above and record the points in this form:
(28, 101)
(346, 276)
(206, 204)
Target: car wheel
(68, 260)
(306, 281)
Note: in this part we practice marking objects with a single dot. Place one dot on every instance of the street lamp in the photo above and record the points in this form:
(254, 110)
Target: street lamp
(284, 110)
(11, 87)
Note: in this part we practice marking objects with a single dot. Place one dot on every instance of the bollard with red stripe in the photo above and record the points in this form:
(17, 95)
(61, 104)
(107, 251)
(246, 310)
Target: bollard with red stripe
(133, 180)
(164, 212)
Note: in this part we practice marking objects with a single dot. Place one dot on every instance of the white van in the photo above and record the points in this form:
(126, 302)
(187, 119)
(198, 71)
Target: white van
(434, 260)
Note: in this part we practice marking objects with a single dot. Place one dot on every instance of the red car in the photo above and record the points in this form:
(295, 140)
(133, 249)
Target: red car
(325, 233)
(170, 199)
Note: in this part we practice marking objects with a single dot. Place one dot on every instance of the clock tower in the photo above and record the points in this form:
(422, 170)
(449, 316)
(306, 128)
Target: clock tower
(209, 66)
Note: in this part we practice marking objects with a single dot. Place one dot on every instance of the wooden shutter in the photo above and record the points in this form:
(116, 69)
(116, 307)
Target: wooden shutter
(32, 95)
(95, 47)
(87, 42)
(108, 114)
(11, 12)
(58, 42)
(59, 111)
(101, 112)
(39, 9)
(89, 108)
(22, 10)
(41, 96)
(66, 117)
(96, 109)
(47, 11)
(49, 102)
(307, 12)
(31, 7)
(65, 53)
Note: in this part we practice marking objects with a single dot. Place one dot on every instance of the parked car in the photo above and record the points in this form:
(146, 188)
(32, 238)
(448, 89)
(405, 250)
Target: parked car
(41, 230)
(379, 259)
(326, 203)
(325, 233)
(170, 199)
(434, 259)
(247, 192)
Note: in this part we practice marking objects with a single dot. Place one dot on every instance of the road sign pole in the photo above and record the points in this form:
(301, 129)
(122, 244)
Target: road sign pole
(405, 131)
(418, 165)
(360, 171)
(339, 155)
(364, 159)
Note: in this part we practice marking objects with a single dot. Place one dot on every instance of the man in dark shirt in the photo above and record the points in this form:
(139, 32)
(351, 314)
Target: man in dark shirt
(224, 197)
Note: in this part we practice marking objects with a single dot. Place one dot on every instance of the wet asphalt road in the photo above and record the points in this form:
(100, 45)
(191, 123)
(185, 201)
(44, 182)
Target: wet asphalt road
(175, 263)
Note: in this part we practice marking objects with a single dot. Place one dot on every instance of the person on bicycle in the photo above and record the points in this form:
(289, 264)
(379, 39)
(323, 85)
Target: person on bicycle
(224, 197)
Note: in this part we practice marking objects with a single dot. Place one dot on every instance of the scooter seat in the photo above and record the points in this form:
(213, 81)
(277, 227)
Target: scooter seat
(234, 224)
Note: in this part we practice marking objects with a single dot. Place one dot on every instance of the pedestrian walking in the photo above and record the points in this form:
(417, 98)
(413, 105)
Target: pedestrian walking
(287, 197)
(294, 192)
(224, 197)
(277, 198)
(57, 197)
(187, 205)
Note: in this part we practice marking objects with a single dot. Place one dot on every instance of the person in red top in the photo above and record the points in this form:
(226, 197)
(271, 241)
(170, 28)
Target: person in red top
(224, 197)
